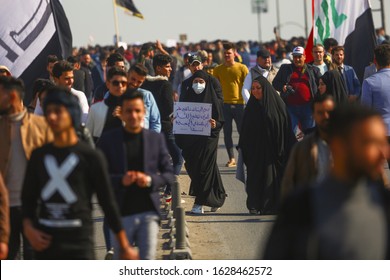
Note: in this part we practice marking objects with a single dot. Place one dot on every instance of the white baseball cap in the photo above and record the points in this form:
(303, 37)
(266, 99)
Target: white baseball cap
(298, 51)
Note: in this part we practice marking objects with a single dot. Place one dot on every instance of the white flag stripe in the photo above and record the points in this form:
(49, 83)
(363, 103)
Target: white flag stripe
(351, 9)
(24, 32)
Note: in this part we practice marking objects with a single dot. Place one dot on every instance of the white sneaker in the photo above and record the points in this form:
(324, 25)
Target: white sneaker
(215, 209)
(109, 254)
(197, 209)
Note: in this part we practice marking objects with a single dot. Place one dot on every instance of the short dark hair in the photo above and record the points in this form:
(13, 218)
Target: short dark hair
(52, 58)
(382, 55)
(161, 60)
(318, 46)
(115, 71)
(73, 59)
(41, 85)
(345, 116)
(11, 83)
(113, 58)
(84, 52)
(337, 49)
(330, 42)
(131, 94)
(61, 67)
(139, 69)
(321, 98)
(146, 48)
(103, 56)
(229, 46)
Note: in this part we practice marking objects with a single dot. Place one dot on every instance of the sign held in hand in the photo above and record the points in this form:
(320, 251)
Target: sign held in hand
(192, 118)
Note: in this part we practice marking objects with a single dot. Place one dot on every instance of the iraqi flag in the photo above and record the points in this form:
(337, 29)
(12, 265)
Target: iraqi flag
(29, 32)
(129, 6)
(350, 23)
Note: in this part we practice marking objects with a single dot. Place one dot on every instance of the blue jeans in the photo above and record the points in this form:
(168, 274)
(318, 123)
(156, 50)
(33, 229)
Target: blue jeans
(174, 152)
(231, 112)
(301, 114)
(142, 230)
(107, 234)
(177, 158)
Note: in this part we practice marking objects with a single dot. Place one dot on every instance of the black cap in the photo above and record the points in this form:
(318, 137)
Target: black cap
(264, 53)
(63, 96)
(194, 58)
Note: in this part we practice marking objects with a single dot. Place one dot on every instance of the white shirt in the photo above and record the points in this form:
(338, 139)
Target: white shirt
(82, 100)
(323, 68)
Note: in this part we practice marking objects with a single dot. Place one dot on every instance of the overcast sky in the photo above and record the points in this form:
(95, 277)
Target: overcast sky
(199, 19)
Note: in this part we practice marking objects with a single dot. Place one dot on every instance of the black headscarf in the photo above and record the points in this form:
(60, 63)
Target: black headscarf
(200, 152)
(207, 96)
(269, 118)
(265, 141)
(335, 86)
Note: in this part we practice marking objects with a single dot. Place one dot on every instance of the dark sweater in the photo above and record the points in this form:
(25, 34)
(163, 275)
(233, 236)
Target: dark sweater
(331, 220)
(57, 197)
(163, 94)
(112, 122)
(138, 199)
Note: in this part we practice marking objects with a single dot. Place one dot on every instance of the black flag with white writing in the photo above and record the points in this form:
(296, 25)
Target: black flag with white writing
(29, 32)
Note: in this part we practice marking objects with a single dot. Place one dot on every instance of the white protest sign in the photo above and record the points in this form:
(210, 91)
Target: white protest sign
(192, 118)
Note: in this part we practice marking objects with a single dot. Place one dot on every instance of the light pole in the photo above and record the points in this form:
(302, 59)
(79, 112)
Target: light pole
(305, 16)
(258, 7)
(259, 23)
(278, 17)
(383, 15)
(382, 11)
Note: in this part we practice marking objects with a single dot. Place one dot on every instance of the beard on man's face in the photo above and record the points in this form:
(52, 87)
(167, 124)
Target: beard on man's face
(323, 127)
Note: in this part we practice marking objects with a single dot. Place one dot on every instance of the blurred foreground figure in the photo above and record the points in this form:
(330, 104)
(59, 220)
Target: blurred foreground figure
(310, 160)
(61, 178)
(4, 220)
(347, 214)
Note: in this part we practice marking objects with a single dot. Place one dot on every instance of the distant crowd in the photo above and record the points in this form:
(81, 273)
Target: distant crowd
(313, 142)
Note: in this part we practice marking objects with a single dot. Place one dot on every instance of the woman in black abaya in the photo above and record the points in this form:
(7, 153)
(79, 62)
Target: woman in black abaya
(200, 152)
(332, 83)
(265, 141)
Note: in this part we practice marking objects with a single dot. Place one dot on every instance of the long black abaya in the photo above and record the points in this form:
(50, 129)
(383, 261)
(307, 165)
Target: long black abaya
(265, 141)
(335, 86)
(200, 152)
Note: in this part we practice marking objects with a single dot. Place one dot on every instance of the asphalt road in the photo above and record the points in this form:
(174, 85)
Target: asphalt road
(231, 233)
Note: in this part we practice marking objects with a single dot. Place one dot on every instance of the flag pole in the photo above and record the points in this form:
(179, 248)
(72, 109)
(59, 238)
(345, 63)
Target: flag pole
(116, 23)
(305, 17)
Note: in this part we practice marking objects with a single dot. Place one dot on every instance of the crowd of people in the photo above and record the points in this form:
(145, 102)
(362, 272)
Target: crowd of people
(312, 146)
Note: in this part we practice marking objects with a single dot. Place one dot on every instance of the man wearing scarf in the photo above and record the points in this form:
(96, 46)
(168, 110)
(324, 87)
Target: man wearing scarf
(263, 68)
(103, 115)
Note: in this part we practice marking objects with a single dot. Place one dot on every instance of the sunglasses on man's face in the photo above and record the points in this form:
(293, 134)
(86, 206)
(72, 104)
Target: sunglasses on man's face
(3, 71)
(117, 83)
